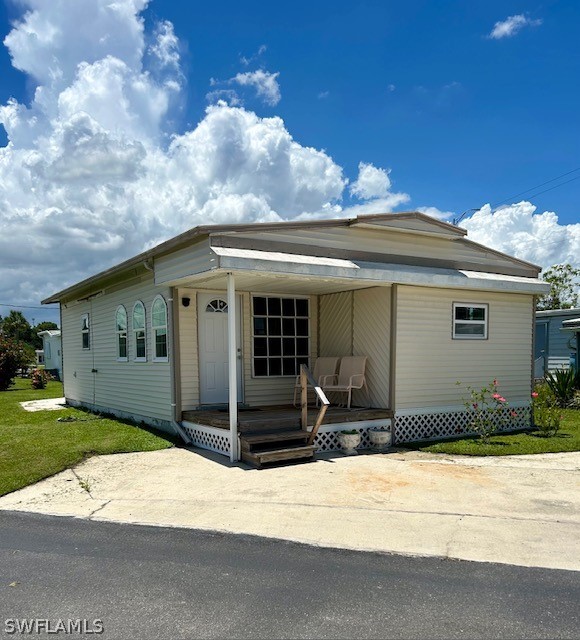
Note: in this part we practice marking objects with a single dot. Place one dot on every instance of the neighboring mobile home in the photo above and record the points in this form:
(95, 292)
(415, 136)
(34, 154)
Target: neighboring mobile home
(52, 351)
(223, 316)
(557, 341)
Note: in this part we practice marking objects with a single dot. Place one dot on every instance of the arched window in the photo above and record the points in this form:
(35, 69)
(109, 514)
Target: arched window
(217, 306)
(121, 329)
(159, 326)
(139, 335)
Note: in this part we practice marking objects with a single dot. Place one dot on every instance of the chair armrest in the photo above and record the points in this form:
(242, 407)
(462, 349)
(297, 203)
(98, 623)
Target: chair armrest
(356, 375)
(324, 379)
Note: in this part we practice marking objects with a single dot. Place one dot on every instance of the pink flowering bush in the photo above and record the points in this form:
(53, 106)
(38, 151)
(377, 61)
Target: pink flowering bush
(39, 378)
(547, 413)
(487, 409)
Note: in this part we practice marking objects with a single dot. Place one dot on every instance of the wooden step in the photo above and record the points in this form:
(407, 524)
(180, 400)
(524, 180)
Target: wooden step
(279, 436)
(260, 458)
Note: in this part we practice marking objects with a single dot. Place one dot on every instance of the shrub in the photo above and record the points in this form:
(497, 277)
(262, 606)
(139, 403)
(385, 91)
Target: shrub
(12, 358)
(486, 407)
(575, 402)
(547, 413)
(562, 384)
(39, 378)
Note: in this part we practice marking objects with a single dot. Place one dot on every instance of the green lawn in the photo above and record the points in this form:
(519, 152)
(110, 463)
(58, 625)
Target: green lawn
(35, 445)
(567, 439)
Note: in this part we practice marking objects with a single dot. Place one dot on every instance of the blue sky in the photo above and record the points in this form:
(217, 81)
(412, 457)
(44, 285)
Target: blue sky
(420, 89)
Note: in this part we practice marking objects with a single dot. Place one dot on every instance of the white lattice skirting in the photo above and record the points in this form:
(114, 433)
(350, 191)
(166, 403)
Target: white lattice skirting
(217, 440)
(327, 436)
(436, 425)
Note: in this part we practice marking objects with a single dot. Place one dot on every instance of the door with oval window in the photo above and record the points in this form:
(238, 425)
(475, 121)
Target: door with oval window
(212, 315)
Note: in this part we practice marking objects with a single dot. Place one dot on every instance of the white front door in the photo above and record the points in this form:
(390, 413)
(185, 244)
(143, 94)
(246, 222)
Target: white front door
(212, 317)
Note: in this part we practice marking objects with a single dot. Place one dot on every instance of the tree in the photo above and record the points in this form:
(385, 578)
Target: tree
(564, 292)
(16, 326)
(13, 356)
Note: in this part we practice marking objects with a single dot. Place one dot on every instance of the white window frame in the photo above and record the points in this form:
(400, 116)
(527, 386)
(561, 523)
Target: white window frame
(86, 331)
(484, 322)
(47, 351)
(154, 330)
(119, 334)
(135, 331)
(308, 337)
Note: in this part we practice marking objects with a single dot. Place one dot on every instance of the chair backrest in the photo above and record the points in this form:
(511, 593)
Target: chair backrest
(325, 367)
(351, 366)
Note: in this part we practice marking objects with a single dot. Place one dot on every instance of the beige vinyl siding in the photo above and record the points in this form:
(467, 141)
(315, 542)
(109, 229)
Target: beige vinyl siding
(265, 391)
(429, 361)
(181, 264)
(336, 311)
(189, 363)
(383, 243)
(77, 362)
(371, 338)
(358, 323)
(137, 388)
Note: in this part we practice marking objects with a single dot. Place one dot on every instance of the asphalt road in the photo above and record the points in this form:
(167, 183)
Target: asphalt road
(147, 582)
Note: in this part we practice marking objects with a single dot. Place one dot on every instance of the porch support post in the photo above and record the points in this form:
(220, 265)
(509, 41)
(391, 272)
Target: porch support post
(233, 368)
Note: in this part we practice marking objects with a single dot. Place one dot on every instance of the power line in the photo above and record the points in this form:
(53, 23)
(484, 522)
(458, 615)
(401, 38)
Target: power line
(459, 218)
(23, 306)
(521, 193)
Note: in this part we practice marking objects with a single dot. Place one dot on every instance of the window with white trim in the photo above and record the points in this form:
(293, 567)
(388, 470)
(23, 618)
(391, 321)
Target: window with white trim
(85, 331)
(470, 321)
(121, 330)
(280, 335)
(47, 353)
(159, 327)
(139, 333)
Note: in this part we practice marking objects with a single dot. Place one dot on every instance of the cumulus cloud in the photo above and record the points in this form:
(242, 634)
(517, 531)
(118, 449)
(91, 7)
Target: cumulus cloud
(264, 82)
(518, 230)
(372, 182)
(89, 177)
(511, 26)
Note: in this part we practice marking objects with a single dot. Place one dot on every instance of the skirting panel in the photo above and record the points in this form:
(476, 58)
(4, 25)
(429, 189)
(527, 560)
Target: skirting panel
(327, 436)
(411, 426)
(205, 437)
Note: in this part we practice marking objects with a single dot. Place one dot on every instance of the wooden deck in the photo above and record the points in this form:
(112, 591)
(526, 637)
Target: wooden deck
(280, 418)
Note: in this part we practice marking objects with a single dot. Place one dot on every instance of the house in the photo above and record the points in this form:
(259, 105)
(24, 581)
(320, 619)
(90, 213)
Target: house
(204, 334)
(52, 351)
(557, 341)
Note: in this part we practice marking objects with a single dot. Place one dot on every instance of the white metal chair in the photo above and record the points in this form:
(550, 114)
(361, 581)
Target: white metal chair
(323, 368)
(351, 375)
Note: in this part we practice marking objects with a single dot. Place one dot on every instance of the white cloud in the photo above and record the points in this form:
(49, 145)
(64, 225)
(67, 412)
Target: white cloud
(511, 26)
(372, 182)
(265, 83)
(247, 60)
(518, 230)
(88, 179)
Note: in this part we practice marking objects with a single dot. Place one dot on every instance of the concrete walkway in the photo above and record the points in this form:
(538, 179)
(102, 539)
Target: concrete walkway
(48, 404)
(521, 510)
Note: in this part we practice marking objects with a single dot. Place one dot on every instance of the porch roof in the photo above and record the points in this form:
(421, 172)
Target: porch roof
(296, 273)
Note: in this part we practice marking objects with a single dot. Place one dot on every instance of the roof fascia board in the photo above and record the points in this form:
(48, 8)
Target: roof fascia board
(388, 274)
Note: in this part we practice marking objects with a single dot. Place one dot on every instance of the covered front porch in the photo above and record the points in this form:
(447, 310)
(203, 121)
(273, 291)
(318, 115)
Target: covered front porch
(267, 326)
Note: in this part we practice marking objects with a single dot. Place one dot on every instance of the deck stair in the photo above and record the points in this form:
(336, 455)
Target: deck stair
(265, 448)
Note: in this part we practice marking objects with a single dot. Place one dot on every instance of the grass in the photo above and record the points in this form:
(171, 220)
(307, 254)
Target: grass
(524, 442)
(35, 445)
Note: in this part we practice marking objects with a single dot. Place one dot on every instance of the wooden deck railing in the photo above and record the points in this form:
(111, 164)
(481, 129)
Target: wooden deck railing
(307, 378)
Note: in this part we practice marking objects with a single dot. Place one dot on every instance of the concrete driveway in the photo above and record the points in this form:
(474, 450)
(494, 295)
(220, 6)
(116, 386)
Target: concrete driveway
(521, 510)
